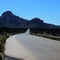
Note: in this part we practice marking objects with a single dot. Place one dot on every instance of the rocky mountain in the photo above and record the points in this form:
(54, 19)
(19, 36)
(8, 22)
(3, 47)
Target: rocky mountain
(9, 20)
(39, 24)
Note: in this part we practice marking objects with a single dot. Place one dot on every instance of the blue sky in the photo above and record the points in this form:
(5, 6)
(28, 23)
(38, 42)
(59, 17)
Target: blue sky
(47, 10)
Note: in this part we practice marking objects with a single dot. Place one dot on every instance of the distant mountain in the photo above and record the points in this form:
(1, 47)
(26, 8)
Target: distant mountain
(36, 23)
(39, 24)
(9, 20)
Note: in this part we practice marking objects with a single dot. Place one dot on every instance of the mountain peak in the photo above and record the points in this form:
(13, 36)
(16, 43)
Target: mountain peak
(37, 20)
(7, 13)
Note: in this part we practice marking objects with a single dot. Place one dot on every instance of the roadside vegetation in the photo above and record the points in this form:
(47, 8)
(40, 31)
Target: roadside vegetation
(53, 34)
(49, 36)
(3, 38)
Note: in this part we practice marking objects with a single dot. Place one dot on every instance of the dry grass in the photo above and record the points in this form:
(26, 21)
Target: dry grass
(2, 43)
(50, 36)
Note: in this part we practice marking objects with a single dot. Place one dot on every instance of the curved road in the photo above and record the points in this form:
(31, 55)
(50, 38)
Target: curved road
(29, 47)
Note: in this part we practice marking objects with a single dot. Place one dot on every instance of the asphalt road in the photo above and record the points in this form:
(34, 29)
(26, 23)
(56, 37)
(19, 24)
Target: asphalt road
(29, 47)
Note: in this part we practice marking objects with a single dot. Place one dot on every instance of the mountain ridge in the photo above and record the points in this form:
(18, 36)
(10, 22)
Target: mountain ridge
(9, 20)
